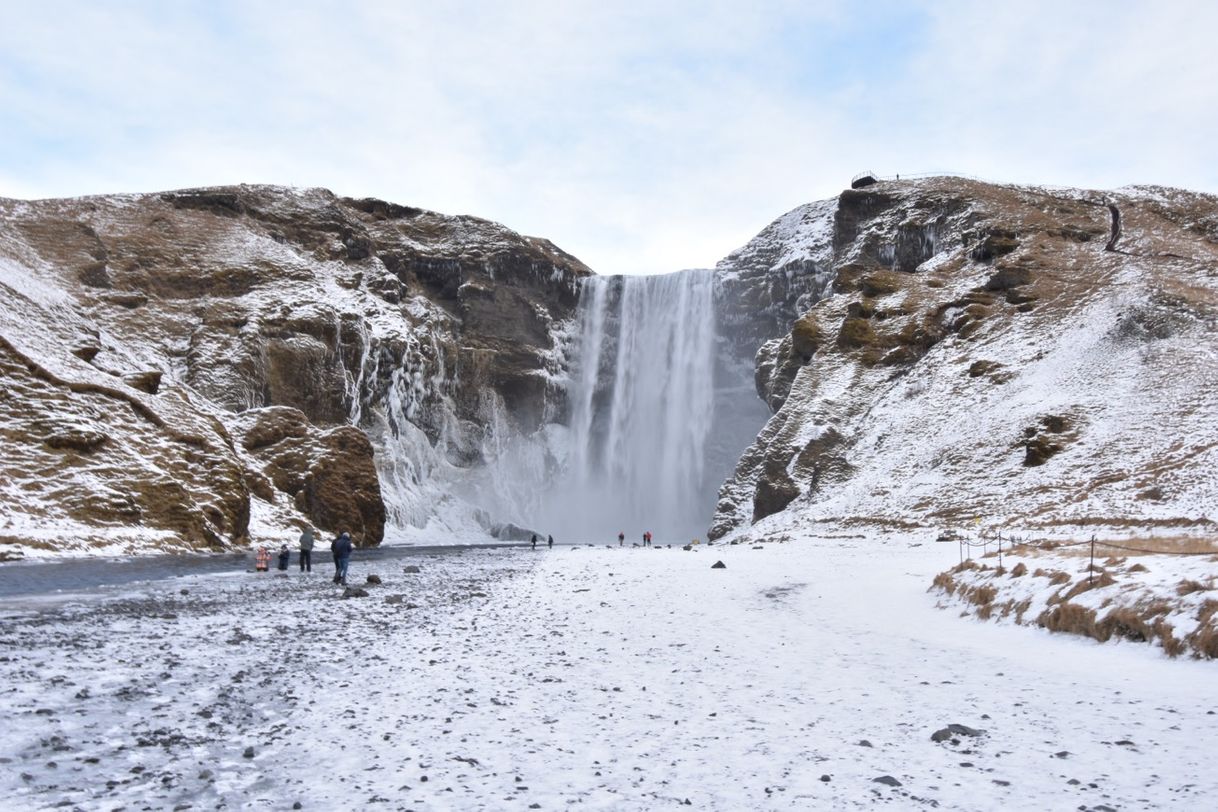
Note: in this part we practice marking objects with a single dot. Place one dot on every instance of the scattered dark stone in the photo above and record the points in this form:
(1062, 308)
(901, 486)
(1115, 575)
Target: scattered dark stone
(1008, 278)
(718, 565)
(864, 743)
(1062, 754)
(86, 351)
(400, 600)
(979, 368)
(83, 693)
(373, 579)
(1001, 783)
(355, 592)
(75, 439)
(148, 381)
(410, 569)
(1074, 782)
(297, 805)
(998, 242)
(204, 775)
(825, 778)
(1126, 743)
(687, 548)
(249, 752)
(888, 780)
(953, 730)
(966, 764)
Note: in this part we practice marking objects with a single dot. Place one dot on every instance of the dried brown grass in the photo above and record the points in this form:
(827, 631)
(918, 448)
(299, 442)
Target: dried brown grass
(1189, 586)
(1069, 618)
(1099, 581)
(945, 582)
(1127, 623)
(1055, 576)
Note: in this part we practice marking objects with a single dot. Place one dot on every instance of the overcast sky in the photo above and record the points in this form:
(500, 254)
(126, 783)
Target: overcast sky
(642, 137)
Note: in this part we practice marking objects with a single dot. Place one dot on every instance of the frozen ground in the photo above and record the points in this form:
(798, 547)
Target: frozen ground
(589, 678)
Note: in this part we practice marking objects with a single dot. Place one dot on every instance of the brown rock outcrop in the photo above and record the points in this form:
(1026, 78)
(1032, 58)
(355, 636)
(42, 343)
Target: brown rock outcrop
(905, 396)
(191, 307)
(329, 475)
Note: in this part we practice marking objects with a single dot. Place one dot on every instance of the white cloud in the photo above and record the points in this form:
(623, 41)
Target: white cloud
(641, 138)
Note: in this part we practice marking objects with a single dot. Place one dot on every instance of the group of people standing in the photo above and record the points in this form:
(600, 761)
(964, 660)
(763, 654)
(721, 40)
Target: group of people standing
(549, 541)
(621, 538)
(340, 548)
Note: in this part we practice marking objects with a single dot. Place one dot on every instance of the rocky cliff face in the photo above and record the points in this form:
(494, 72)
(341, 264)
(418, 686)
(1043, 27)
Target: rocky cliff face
(980, 356)
(180, 367)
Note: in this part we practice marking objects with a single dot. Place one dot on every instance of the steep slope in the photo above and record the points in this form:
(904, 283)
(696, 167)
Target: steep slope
(138, 332)
(981, 357)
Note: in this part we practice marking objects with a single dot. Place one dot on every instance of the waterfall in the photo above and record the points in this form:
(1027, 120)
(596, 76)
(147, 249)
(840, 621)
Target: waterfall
(642, 400)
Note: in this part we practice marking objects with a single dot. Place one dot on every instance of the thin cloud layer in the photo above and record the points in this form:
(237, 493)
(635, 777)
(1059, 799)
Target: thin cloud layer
(641, 139)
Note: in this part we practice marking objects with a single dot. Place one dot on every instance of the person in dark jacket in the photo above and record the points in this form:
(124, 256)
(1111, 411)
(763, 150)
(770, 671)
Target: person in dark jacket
(306, 550)
(534, 541)
(284, 557)
(341, 547)
(550, 542)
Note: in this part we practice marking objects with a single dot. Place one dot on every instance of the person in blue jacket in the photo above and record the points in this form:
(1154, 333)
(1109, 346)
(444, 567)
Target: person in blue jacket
(341, 547)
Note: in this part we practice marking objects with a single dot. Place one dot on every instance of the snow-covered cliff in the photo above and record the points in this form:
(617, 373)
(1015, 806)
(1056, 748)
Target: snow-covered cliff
(981, 357)
(145, 339)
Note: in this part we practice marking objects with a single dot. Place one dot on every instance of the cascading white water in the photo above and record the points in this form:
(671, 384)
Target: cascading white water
(642, 397)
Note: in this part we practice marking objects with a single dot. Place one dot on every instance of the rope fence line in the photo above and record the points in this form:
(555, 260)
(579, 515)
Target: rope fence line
(984, 543)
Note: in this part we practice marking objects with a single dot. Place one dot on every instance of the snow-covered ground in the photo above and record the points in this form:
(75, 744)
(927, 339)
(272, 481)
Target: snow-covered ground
(589, 678)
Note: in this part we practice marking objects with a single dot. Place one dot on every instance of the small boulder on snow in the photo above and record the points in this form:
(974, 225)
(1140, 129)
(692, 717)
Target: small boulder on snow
(953, 730)
(718, 565)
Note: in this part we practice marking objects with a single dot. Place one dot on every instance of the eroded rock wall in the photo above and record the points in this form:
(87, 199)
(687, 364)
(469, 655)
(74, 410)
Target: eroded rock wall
(981, 358)
(431, 335)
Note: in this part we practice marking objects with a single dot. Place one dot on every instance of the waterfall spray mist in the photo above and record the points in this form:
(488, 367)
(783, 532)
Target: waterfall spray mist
(642, 397)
